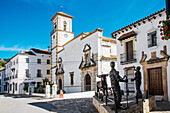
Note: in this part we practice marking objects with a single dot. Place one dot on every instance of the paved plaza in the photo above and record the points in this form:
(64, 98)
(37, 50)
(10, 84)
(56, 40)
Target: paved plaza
(81, 105)
(35, 104)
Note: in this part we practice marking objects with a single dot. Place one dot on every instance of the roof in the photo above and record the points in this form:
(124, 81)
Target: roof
(98, 29)
(124, 36)
(31, 53)
(108, 39)
(148, 17)
(40, 51)
(86, 35)
(62, 14)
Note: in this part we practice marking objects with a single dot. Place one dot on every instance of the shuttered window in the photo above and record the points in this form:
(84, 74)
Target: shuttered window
(152, 39)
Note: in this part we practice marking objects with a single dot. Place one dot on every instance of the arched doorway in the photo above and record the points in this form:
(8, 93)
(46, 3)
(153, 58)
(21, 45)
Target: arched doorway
(87, 85)
(60, 84)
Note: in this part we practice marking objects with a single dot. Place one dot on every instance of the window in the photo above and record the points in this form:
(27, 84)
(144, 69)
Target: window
(38, 61)
(38, 72)
(53, 36)
(16, 76)
(48, 72)
(14, 62)
(152, 39)
(72, 78)
(48, 61)
(15, 86)
(27, 60)
(129, 50)
(129, 53)
(27, 72)
(17, 61)
(65, 25)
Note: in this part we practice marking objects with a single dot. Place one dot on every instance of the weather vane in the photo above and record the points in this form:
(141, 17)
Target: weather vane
(61, 8)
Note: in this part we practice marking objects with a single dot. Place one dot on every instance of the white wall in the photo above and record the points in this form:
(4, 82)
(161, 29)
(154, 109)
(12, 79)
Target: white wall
(142, 45)
(32, 66)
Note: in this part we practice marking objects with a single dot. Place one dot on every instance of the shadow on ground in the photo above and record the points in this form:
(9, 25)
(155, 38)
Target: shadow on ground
(23, 96)
(44, 105)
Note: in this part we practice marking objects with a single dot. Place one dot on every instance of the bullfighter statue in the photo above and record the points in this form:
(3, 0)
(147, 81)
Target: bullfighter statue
(115, 78)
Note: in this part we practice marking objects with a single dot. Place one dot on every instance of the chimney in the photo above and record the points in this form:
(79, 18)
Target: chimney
(22, 51)
(48, 49)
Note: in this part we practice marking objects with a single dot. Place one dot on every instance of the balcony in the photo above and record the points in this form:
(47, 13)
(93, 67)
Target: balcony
(128, 58)
(152, 44)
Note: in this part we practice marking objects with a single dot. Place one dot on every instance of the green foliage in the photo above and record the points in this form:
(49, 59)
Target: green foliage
(2, 64)
(39, 90)
(45, 81)
(25, 87)
(165, 31)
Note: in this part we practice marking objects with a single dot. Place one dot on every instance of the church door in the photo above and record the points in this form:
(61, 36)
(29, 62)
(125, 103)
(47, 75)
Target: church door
(60, 84)
(155, 81)
(87, 83)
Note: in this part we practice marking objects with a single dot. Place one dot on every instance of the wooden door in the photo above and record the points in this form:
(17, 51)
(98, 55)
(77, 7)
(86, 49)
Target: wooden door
(155, 81)
(129, 50)
(87, 83)
(60, 84)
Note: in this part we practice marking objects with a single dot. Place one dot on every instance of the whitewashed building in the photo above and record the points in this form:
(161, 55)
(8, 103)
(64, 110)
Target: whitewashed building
(25, 68)
(76, 61)
(140, 44)
(2, 75)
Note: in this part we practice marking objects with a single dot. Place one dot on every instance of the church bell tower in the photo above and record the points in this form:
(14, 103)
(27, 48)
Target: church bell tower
(60, 35)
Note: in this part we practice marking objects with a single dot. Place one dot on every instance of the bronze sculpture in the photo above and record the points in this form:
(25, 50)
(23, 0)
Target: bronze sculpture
(138, 82)
(115, 78)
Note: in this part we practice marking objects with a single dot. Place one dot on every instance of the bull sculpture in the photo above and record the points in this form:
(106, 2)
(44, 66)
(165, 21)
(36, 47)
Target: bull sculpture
(102, 85)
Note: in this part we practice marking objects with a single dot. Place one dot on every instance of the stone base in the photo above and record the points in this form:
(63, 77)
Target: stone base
(143, 106)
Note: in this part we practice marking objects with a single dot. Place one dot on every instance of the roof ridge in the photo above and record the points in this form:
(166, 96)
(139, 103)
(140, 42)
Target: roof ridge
(139, 20)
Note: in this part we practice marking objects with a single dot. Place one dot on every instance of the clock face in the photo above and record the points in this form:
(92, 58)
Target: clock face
(65, 35)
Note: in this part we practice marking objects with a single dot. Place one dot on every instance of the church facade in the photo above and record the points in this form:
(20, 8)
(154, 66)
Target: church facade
(76, 61)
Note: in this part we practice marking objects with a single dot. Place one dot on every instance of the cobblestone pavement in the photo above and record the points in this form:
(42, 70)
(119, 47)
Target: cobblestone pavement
(83, 105)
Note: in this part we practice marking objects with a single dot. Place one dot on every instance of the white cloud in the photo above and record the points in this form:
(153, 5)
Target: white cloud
(15, 48)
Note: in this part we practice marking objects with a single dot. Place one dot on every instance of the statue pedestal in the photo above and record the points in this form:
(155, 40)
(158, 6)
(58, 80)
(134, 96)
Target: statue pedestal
(54, 91)
(47, 91)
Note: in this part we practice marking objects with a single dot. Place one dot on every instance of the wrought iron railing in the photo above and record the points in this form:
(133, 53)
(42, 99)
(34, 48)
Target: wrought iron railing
(125, 58)
(152, 44)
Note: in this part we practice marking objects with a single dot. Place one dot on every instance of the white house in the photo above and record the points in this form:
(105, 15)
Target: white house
(2, 75)
(25, 68)
(140, 44)
(76, 61)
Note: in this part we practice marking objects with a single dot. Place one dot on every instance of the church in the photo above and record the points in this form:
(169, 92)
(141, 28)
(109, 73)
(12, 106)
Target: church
(76, 61)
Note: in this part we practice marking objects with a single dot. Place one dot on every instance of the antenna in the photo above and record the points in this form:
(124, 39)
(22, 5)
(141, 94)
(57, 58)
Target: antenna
(61, 8)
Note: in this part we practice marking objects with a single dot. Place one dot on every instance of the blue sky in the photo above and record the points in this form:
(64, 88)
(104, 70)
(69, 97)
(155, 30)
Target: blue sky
(27, 23)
